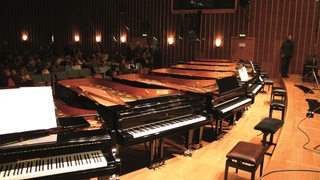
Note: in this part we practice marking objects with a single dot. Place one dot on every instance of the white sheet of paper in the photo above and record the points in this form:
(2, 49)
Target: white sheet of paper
(26, 109)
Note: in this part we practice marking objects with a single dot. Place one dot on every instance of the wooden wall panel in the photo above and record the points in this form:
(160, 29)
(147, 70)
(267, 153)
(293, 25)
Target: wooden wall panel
(268, 21)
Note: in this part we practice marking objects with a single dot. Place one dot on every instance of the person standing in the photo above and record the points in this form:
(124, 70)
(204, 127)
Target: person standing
(286, 55)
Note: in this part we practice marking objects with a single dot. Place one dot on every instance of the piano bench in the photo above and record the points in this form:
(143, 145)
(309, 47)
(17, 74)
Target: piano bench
(269, 126)
(278, 91)
(245, 156)
(279, 105)
(264, 74)
(268, 82)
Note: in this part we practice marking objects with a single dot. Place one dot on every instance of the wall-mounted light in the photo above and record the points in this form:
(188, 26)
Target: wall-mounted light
(170, 40)
(123, 39)
(52, 38)
(218, 42)
(24, 37)
(77, 38)
(98, 38)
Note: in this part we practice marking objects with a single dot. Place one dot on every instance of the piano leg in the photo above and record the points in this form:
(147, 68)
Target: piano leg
(218, 132)
(156, 153)
(189, 143)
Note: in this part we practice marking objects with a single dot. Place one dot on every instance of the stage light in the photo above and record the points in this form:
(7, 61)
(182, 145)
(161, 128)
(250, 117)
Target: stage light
(24, 37)
(218, 42)
(76, 38)
(170, 40)
(98, 38)
(123, 39)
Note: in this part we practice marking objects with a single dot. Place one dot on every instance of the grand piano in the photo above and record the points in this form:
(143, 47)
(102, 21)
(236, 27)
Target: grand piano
(139, 115)
(76, 147)
(223, 99)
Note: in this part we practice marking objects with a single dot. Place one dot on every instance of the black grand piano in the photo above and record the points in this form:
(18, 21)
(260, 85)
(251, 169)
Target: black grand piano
(74, 148)
(139, 115)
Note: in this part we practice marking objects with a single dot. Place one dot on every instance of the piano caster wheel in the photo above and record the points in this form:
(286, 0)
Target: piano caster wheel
(197, 146)
(157, 164)
(188, 152)
(114, 177)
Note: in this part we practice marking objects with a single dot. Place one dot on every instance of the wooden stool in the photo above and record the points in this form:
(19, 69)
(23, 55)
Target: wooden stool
(268, 82)
(279, 105)
(278, 91)
(269, 126)
(245, 156)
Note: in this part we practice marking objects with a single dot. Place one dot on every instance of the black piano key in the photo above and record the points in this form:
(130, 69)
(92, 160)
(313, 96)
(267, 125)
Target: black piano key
(15, 168)
(98, 157)
(59, 161)
(89, 159)
(82, 160)
(22, 166)
(51, 163)
(6, 171)
(92, 156)
(27, 167)
(62, 162)
(48, 164)
(30, 168)
(43, 164)
(70, 161)
(67, 161)
(85, 158)
(56, 162)
(77, 160)
(36, 166)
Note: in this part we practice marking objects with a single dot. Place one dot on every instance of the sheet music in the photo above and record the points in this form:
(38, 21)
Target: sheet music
(243, 73)
(26, 109)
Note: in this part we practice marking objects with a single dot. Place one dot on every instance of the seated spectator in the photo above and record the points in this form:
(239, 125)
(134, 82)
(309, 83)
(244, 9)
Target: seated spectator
(56, 66)
(7, 79)
(76, 65)
(24, 77)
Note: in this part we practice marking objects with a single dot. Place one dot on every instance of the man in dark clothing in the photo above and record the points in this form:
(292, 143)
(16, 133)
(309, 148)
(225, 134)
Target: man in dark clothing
(286, 55)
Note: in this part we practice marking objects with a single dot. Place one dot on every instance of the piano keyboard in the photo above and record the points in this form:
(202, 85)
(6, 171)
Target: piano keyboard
(159, 127)
(236, 104)
(41, 167)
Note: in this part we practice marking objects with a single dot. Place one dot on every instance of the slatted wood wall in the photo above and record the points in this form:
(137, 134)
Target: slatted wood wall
(268, 21)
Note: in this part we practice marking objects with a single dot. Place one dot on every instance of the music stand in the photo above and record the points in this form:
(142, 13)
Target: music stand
(313, 66)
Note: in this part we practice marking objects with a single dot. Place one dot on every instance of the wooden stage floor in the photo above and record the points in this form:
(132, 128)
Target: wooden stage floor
(208, 162)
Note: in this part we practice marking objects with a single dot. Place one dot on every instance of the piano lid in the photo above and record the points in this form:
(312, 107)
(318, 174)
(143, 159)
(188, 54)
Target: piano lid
(110, 93)
(189, 85)
(192, 73)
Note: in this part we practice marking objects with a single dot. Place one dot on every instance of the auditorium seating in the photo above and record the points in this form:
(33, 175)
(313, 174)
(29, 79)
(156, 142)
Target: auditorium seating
(45, 79)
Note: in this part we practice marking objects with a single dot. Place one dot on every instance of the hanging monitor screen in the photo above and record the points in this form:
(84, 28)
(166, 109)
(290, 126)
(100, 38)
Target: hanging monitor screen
(206, 6)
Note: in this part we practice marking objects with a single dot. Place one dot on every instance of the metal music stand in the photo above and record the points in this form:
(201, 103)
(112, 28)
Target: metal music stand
(312, 64)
